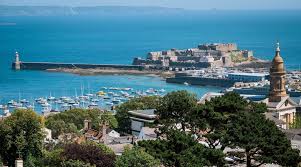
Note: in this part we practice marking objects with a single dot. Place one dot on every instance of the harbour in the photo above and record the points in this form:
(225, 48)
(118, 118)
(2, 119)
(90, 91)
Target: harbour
(88, 84)
(106, 98)
(82, 86)
(48, 41)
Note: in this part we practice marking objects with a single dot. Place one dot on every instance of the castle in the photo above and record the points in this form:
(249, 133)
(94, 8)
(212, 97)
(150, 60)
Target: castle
(205, 55)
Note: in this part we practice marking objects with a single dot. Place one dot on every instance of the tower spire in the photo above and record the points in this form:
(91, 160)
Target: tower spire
(277, 77)
(277, 46)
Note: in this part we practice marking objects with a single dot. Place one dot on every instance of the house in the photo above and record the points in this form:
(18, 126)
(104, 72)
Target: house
(141, 117)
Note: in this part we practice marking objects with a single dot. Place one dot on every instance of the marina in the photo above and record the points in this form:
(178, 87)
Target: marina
(105, 98)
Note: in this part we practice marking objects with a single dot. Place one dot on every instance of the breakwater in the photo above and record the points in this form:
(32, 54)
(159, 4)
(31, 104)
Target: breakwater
(50, 65)
(220, 82)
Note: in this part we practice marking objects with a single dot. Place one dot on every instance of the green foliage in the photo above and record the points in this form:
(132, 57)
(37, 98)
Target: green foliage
(56, 156)
(108, 117)
(297, 122)
(237, 57)
(141, 103)
(216, 112)
(262, 140)
(72, 121)
(103, 147)
(88, 153)
(75, 163)
(32, 161)
(229, 120)
(136, 157)
(21, 134)
(51, 158)
(176, 108)
(59, 127)
(228, 103)
(181, 150)
(198, 155)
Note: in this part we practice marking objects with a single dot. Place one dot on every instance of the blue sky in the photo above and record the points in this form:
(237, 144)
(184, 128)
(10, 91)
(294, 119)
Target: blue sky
(188, 4)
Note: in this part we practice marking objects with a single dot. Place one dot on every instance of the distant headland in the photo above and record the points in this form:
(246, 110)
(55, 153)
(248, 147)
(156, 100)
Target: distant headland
(85, 10)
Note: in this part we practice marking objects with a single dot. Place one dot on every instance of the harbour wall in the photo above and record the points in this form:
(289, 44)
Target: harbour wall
(201, 81)
(49, 65)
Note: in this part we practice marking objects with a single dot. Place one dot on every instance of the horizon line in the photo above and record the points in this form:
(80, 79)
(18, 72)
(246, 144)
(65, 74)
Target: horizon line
(142, 6)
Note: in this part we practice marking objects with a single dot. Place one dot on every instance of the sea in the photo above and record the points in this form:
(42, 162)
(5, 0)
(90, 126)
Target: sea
(118, 39)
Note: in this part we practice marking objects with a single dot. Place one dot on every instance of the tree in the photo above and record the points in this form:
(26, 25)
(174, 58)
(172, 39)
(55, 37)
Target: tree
(21, 135)
(108, 118)
(176, 108)
(141, 103)
(88, 153)
(180, 149)
(261, 139)
(198, 155)
(136, 157)
(75, 163)
(59, 127)
(297, 122)
(51, 158)
(214, 114)
(72, 121)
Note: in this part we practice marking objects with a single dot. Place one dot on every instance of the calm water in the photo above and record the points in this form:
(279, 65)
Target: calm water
(119, 39)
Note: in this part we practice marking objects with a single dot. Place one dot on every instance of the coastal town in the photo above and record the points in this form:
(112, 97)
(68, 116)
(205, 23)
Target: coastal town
(140, 83)
(208, 65)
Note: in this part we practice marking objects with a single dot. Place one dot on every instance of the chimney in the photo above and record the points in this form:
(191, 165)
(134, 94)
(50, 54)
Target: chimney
(104, 132)
(87, 124)
(19, 163)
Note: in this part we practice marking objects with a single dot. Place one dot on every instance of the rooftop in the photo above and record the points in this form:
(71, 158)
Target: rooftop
(143, 113)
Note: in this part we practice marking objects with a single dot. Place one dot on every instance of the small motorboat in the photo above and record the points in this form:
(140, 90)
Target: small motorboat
(95, 100)
(106, 98)
(51, 98)
(115, 101)
(93, 104)
(186, 83)
(109, 104)
(24, 101)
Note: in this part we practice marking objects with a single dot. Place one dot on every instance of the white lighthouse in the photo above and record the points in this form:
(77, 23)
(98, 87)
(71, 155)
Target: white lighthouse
(17, 62)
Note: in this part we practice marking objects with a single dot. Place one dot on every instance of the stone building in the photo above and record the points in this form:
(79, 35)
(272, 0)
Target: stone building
(279, 103)
(224, 47)
(281, 108)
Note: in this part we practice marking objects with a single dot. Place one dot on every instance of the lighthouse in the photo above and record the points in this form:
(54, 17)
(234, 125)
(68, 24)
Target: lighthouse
(17, 62)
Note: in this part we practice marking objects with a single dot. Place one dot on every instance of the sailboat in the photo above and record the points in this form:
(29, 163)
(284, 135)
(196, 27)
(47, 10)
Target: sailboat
(51, 98)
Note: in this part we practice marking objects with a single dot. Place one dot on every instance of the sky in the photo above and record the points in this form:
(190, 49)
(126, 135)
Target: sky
(187, 4)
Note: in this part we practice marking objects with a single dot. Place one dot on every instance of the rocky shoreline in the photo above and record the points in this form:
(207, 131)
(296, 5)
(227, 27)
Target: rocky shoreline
(256, 64)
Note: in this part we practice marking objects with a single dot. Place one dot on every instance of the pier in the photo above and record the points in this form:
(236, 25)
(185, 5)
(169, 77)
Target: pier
(53, 65)
(19, 65)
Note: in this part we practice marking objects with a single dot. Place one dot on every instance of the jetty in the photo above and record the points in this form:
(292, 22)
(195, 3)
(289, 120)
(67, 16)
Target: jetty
(20, 65)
